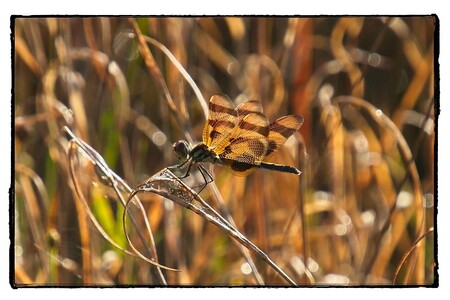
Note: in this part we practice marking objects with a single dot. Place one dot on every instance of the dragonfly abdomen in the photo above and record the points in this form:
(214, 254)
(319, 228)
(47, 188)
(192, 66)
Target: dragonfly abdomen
(280, 168)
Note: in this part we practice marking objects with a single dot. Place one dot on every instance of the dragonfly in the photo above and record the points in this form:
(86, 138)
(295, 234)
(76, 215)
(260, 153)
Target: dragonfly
(241, 138)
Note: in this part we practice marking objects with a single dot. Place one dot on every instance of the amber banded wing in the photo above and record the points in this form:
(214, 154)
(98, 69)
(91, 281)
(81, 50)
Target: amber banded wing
(221, 122)
(248, 143)
(247, 107)
(281, 130)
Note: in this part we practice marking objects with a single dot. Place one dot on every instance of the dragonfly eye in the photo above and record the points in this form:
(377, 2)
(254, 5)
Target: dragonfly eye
(181, 148)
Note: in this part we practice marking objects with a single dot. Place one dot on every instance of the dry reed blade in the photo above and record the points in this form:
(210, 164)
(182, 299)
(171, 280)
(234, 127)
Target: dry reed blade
(385, 122)
(113, 180)
(167, 185)
(408, 253)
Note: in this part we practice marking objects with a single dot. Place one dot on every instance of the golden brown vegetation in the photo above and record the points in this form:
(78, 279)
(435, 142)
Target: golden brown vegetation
(361, 213)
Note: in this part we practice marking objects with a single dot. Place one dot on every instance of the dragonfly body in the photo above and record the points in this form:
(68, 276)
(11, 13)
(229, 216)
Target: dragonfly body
(240, 137)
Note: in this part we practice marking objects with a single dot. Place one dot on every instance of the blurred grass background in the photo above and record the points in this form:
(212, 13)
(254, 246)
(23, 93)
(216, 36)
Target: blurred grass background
(361, 213)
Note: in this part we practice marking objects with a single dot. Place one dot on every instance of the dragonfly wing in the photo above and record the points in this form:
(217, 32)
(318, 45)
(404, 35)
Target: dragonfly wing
(221, 122)
(247, 107)
(248, 143)
(281, 130)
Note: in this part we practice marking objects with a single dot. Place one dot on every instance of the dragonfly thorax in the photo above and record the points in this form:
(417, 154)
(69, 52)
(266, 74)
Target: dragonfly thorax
(202, 153)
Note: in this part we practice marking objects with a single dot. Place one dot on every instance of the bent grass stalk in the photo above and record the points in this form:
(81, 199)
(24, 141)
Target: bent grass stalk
(169, 186)
(112, 179)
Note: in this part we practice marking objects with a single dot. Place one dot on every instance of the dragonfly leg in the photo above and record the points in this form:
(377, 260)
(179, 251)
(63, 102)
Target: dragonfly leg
(188, 169)
(206, 177)
(180, 166)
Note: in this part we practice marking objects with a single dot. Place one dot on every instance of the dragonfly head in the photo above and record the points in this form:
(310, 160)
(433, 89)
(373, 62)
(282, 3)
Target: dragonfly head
(182, 149)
